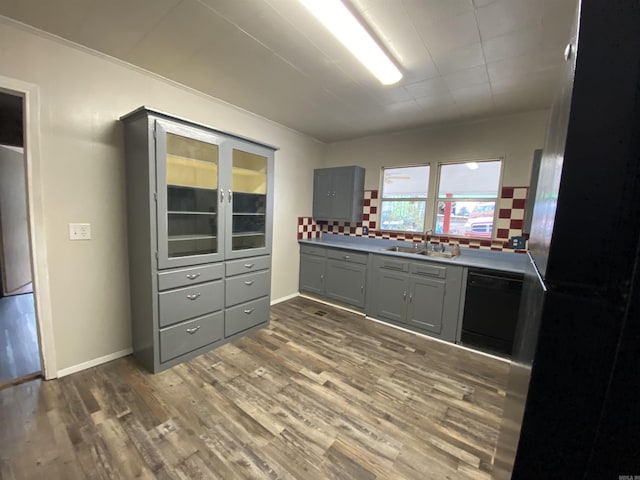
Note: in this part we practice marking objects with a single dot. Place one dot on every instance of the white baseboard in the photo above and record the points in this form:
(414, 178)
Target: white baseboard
(92, 363)
(284, 299)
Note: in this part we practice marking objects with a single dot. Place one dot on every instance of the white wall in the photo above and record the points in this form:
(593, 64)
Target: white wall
(512, 137)
(82, 95)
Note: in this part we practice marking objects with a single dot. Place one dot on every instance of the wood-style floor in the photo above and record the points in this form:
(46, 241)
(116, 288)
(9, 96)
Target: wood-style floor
(320, 394)
(19, 355)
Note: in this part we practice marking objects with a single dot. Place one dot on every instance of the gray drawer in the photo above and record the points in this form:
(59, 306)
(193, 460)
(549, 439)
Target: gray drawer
(245, 316)
(392, 264)
(190, 302)
(246, 265)
(429, 270)
(348, 256)
(189, 336)
(311, 250)
(188, 276)
(243, 288)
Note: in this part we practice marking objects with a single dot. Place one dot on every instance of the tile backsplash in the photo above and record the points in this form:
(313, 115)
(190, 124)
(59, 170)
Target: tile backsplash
(511, 207)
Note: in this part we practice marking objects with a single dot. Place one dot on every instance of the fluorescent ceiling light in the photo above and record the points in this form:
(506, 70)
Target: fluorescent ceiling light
(472, 165)
(341, 22)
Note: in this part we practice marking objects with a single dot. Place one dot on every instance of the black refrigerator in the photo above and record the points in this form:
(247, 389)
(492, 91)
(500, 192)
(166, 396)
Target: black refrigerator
(572, 407)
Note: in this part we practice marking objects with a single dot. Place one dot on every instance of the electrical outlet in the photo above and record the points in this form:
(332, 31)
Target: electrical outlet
(365, 230)
(79, 231)
(518, 243)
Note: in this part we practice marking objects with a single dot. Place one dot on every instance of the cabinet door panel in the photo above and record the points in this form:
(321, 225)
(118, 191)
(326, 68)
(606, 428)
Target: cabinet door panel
(345, 282)
(322, 194)
(342, 194)
(426, 304)
(312, 274)
(189, 214)
(391, 295)
(249, 199)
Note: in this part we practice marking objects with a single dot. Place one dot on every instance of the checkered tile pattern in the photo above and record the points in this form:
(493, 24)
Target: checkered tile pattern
(511, 205)
(307, 228)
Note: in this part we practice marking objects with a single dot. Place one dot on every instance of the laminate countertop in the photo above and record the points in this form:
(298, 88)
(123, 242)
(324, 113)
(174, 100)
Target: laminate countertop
(469, 257)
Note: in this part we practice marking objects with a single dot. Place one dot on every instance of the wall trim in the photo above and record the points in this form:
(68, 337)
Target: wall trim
(284, 299)
(95, 362)
(35, 208)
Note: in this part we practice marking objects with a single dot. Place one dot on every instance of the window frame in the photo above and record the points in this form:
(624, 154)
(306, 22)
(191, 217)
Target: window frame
(496, 200)
(425, 200)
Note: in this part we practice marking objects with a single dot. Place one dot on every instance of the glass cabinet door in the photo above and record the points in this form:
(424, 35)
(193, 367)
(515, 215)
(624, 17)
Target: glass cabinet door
(189, 220)
(250, 178)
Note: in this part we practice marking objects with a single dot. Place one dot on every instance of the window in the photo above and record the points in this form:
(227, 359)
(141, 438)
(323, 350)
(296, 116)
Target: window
(403, 200)
(467, 196)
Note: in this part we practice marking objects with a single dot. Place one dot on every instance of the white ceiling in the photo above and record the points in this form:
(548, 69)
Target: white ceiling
(461, 59)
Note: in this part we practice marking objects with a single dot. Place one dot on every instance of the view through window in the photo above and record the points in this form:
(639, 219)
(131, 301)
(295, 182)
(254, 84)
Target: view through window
(404, 198)
(467, 196)
(466, 201)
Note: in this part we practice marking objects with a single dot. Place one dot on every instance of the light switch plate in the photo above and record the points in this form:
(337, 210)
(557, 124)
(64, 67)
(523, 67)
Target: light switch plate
(79, 231)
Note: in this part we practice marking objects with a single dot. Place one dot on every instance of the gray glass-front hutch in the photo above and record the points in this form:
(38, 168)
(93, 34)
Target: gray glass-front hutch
(200, 205)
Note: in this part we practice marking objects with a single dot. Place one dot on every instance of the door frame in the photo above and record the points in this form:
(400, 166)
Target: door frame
(35, 213)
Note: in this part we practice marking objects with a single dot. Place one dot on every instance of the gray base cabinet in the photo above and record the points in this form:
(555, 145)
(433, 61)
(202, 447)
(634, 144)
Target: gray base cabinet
(423, 296)
(419, 295)
(338, 193)
(339, 275)
(199, 204)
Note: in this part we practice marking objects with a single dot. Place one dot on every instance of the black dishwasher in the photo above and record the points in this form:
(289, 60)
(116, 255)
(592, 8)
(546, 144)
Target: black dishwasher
(491, 310)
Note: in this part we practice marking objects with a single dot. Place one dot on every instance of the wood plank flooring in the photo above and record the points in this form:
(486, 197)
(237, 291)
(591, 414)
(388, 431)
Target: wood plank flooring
(19, 355)
(320, 394)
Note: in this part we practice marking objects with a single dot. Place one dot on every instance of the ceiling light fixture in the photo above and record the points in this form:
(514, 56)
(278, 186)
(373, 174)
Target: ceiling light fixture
(334, 15)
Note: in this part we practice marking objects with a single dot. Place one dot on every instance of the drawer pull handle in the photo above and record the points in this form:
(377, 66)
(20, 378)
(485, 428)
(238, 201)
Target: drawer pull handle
(248, 283)
(249, 311)
(249, 265)
(193, 330)
(221, 195)
(193, 276)
(404, 295)
(347, 257)
(193, 296)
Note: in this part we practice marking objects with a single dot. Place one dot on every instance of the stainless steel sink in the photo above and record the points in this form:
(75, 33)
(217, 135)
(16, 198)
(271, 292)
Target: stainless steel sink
(416, 249)
(420, 250)
(435, 254)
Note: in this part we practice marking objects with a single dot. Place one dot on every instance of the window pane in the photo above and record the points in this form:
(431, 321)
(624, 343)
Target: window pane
(470, 180)
(407, 216)
(405, 182)
(471, 219)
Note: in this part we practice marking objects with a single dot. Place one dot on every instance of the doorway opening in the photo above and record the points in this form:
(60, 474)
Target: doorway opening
(20, 358)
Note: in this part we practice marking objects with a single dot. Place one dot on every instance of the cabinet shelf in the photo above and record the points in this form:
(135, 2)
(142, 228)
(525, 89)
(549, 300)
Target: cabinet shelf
(261, 214)
(248, 171)
(186, 212)
(247, 234)
(180, 238)
(190, 187)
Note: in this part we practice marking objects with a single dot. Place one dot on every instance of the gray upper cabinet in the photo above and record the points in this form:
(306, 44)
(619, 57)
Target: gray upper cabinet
(338, 193)
(199, 204)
